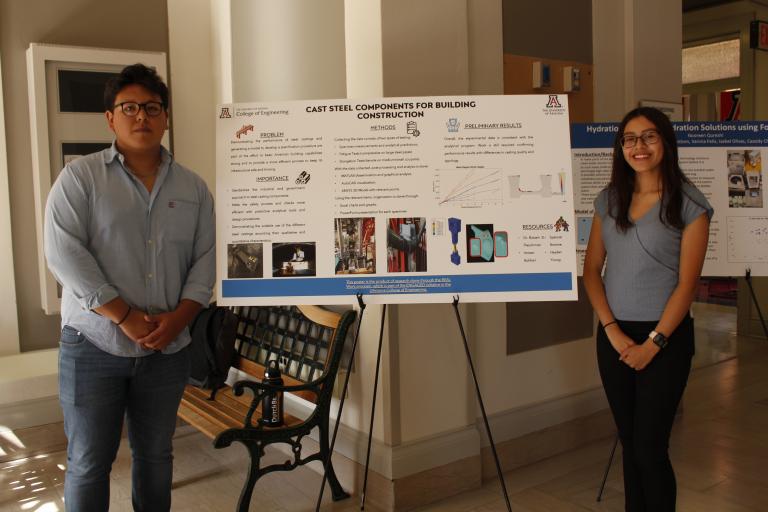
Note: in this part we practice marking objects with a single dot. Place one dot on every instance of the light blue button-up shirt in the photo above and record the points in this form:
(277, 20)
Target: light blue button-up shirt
(107, 236)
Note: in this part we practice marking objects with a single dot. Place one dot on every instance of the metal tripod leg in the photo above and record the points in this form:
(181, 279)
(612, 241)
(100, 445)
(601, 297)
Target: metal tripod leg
(608, 468)
(327, 462)
(480, 401)
(373, 407)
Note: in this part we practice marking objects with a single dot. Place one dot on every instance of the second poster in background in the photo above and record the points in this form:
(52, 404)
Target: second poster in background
(725, 160)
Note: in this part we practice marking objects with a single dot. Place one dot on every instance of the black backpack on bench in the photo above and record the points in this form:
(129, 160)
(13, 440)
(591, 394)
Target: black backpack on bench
(212, 350)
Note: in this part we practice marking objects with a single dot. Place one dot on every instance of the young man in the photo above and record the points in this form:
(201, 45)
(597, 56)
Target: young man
(129, 234)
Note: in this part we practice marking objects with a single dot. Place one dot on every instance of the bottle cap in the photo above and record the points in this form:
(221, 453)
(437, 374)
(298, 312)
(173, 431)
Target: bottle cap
(273, 370)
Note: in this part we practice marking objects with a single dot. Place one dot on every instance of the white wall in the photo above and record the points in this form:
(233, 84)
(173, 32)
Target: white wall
(399, 47)
(193, 105)
(215, 58)
(287, 50)
(425, 47)
(657, 51)
(608, 28)
(29, 381)
(435, 393)
(74, 23)
(637, 54)
(486, 47)
(363, 39)
(425, 51)
(9, 321)
(222, 51)
(529, 377)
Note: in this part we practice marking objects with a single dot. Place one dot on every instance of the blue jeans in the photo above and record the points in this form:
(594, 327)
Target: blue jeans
(97, 390)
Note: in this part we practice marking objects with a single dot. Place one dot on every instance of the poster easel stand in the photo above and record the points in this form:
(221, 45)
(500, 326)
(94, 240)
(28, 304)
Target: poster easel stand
(373, 403)
(480, 401)
(373, 407)
(607, 468)
(341, 401)
(748, 276)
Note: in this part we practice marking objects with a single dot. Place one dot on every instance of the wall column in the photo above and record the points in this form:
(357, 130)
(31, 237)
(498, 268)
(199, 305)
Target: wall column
(637, 54)
(428, 405)
(9, 321)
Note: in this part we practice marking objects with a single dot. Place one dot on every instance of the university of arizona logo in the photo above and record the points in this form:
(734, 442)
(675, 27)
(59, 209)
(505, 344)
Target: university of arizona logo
(225, 113)
(553, 102)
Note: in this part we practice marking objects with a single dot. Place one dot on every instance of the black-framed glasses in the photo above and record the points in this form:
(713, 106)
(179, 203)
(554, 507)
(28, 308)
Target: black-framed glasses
(649, 137)
(131, 108)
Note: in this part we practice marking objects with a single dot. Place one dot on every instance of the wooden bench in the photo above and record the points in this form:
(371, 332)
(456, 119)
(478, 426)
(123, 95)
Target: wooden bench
(308, 342)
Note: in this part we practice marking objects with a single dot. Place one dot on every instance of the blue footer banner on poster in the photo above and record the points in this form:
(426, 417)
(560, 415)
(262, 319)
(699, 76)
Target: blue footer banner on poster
(552, 281)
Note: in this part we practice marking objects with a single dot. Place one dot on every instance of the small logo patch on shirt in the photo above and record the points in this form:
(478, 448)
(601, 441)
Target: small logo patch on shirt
(171, 204)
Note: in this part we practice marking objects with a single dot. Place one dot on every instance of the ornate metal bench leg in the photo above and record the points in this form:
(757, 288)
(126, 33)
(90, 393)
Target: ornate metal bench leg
(245, 495)
(337, 491)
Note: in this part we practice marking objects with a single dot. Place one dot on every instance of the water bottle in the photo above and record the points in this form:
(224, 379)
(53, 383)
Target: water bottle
(272, 403)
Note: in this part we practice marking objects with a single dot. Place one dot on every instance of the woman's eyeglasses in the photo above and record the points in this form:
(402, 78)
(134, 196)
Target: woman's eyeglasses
(629, 140)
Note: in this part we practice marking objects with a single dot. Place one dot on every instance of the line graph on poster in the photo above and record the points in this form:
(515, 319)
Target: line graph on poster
(468, 187)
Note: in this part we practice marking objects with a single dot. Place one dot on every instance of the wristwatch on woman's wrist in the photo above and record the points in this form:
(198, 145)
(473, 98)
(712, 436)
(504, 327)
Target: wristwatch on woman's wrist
(659, 339)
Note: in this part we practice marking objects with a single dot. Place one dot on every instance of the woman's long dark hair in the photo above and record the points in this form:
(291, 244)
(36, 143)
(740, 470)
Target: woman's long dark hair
(623, 176)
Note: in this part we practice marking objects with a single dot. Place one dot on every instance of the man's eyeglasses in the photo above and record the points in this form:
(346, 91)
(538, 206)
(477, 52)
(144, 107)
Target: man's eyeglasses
(131, 108)
(630, 140)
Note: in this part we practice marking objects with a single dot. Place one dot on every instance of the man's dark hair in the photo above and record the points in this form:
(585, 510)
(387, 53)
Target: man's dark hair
(138, 74)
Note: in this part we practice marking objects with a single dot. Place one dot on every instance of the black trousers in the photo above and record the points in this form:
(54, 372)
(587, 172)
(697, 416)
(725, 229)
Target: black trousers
(643, 404)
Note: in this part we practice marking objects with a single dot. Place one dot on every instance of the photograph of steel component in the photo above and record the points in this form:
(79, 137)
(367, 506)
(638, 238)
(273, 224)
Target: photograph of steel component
(454, 226)
(355, 245)
(501, 244)
(407, 244)
(245, 261)
(480, 246)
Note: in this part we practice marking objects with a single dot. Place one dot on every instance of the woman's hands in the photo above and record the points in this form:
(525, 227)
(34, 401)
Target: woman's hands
(633, 355)
(618, 339)
(639, 356)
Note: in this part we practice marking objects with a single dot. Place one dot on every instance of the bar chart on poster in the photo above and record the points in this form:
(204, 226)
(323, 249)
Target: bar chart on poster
(404, 200)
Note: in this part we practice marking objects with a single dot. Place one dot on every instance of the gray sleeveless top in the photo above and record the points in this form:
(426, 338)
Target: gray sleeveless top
(642, 264)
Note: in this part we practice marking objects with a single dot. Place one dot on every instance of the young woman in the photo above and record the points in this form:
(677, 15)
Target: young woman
(652, 226)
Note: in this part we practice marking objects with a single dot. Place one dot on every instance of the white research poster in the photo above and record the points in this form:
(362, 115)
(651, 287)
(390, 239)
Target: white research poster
(723, 159)
(402, 200)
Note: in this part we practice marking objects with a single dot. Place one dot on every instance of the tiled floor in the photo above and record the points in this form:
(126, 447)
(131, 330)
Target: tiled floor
(719, 449)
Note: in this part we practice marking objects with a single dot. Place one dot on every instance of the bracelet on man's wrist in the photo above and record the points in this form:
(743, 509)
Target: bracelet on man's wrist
(609, 323)
(125, 316)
